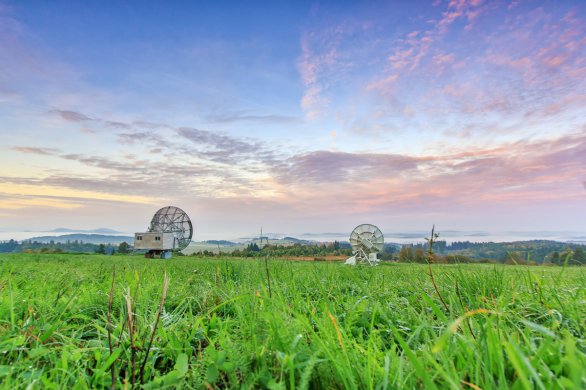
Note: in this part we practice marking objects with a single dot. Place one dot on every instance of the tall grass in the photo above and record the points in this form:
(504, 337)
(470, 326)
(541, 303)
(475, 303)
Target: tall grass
(213, 324)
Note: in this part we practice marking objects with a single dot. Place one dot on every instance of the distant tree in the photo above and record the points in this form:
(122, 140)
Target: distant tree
(514, 258)
(456, 259)
(101, 249)
(123, 248)
(253, 247)
(336, 245)
(579, 255)
(439, 246)
(555, 257)
(419, 256)
(8, 246)
(566, 257)
(406, 254)
(388, 253)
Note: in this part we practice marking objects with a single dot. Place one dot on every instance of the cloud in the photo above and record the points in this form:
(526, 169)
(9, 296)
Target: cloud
(327, 167)
(243, 162)
(348, 65)
(209, 164)
(216, 140)
(28, 69)
(204, 145)
(104, 163)
(328, 55)
(312, 67)
(226, 117)
(118, 125)
(539, 64)
(221, 147)
(71, 116)
(418, 45)
(324, 182)
(509, 75)
(243, 117)
(148, 125)
(146, 180)
(78, 117)
(512, 175)
(36, 150)
(13, 202)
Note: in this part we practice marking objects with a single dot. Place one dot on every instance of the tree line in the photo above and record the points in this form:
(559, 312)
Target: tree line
(75, 246)
(523, 252)
(528, 252)
(316, 250)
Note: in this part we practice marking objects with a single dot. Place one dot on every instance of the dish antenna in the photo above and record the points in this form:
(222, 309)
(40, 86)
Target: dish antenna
(366, 240)
(170, 229)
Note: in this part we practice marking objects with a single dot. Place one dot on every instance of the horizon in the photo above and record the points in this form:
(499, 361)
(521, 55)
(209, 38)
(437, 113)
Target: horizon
(299, 117)
(391, 237)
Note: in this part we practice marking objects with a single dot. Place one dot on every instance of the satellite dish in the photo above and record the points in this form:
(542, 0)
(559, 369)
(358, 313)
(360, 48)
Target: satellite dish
(366, 240)
(173, 220)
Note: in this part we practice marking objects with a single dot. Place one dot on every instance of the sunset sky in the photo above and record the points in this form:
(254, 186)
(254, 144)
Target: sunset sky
(294, 116)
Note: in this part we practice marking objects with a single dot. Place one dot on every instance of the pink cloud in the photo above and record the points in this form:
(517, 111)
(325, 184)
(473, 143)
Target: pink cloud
(546, 170)
(421, 53)
(311, 67)
(385, 86)
(538, 44)
(443, 59)
(532, 64)
(457, 90)
(418, 46)
(329, 54)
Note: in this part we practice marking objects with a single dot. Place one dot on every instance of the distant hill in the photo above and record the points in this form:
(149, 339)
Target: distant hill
(296, 240)
(86, 238)
(98, 230)
(534, 250)
(221, 242)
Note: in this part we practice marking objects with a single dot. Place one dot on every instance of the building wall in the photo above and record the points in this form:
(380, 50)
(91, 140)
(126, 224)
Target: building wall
(154, 240)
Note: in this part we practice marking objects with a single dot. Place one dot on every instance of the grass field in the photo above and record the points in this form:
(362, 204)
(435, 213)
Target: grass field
(322, 325)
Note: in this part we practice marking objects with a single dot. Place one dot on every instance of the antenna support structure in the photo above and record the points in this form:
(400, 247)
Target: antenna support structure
(366, 240)
(170, 230)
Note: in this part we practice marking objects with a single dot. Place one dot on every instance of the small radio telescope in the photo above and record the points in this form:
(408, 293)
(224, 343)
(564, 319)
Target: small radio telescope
(366, 240)
(170, 230)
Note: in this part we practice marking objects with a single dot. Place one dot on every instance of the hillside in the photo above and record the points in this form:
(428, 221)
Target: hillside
(86, 238)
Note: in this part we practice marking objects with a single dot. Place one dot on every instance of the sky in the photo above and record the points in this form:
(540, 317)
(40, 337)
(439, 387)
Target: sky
(293, 116)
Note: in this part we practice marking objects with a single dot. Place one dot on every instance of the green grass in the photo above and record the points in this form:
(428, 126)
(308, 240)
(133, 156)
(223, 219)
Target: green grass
(326, 325)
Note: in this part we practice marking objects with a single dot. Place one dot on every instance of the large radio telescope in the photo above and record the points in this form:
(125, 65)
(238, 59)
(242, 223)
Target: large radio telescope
(173, 220)
(366, 240)
(170, 230)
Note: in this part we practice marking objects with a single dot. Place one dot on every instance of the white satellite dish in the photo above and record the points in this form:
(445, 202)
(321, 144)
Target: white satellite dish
(366, 240)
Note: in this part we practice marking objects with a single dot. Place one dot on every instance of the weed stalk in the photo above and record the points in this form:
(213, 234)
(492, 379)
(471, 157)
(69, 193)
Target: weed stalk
(109, 327)
(431, 240)
(161, 305)
(464, 309)
(131, 331)
(268, 275)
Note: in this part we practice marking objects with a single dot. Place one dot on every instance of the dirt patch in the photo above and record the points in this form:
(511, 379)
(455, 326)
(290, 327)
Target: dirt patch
(315, 258)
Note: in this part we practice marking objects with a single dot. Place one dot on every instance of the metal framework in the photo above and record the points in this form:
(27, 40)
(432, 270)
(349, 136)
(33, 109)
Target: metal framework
(366, 240)
(173, 220)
